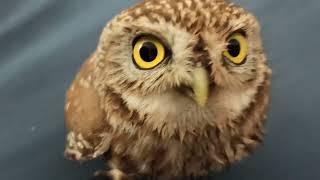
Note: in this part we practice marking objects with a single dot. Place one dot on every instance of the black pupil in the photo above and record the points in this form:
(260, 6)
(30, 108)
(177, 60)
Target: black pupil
(234, 47)
(148, 51)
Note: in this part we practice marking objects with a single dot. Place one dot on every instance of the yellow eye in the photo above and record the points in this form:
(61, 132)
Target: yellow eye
(148, 52)
(237, 49)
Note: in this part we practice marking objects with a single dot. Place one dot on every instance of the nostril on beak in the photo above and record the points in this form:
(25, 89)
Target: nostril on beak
(205, 64)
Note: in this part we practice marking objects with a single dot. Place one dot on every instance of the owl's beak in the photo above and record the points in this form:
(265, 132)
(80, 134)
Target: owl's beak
(200, 85)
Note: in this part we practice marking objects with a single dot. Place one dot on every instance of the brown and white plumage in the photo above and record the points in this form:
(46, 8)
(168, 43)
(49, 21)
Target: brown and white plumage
(142, 120)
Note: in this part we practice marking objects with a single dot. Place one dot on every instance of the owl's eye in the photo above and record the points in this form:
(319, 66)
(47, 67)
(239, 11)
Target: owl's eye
(148, 52)
(237, 49)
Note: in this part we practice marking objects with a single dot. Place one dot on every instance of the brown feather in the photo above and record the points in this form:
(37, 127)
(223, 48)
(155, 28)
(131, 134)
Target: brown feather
(140, 120)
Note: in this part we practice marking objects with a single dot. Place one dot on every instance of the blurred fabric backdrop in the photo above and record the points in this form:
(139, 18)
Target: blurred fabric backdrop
(44, 42)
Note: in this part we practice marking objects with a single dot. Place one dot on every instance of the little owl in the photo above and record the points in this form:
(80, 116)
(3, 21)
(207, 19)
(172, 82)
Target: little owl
(175, 88)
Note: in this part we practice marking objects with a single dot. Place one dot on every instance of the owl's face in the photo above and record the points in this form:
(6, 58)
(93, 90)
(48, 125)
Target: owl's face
(185, 59)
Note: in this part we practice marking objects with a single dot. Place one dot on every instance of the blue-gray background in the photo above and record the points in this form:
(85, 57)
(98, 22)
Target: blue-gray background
(43, 43)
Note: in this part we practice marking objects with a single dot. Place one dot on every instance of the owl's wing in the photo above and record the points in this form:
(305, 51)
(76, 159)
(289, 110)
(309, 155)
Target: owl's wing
(84, 117)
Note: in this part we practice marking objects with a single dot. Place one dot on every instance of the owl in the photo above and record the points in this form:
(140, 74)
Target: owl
(175, 88)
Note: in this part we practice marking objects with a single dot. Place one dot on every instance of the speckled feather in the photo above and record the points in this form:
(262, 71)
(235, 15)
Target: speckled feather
(138, 119)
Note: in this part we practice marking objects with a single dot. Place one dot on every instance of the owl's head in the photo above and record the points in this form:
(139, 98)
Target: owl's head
(184, 59)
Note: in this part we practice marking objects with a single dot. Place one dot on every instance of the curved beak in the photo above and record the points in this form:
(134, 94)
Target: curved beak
(200, 85)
